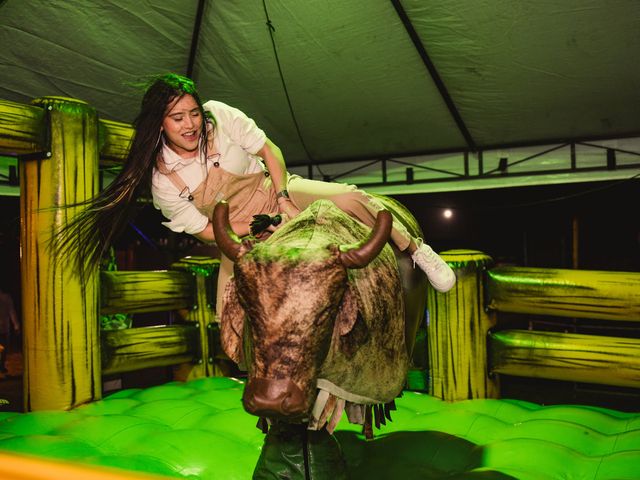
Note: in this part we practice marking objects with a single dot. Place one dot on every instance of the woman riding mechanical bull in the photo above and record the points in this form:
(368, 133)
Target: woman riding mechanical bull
(192, 155)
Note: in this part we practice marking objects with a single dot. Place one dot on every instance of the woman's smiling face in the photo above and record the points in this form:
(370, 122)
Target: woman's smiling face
(182, 126)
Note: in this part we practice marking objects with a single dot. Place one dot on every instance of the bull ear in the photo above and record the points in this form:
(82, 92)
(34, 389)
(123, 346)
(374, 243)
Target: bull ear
(351, 331)
(232, 323)
(348, 312)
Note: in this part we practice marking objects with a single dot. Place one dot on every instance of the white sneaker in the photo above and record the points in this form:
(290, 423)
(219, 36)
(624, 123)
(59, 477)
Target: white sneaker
(439, 274)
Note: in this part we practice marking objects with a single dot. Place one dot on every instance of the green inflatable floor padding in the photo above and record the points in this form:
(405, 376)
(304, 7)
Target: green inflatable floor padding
(198, 430)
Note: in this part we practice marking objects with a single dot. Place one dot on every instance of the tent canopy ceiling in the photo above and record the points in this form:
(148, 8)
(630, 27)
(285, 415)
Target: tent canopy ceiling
(502, 73)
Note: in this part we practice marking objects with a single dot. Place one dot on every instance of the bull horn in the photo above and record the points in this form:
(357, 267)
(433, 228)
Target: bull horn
(227, 240)
(361, 256)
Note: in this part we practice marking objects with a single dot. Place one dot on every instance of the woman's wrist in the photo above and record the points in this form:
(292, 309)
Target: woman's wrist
(284, 193)
(283, 200)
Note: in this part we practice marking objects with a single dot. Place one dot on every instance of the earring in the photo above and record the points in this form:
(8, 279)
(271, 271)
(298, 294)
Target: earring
(159, 138)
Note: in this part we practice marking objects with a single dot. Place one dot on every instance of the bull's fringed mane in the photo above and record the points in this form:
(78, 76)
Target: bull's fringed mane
(333, 408)
(377, 414)
(381, 413)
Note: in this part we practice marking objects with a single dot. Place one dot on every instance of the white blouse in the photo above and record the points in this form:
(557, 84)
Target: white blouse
(236, 140)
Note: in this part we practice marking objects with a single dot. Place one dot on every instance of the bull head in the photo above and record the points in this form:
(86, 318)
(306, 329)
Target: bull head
(294, 302)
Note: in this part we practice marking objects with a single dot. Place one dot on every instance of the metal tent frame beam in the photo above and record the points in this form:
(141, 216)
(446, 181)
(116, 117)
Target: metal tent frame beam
(435, 76)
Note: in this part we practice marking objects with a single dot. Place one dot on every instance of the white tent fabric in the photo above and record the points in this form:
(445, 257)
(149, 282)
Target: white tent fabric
(505, 73)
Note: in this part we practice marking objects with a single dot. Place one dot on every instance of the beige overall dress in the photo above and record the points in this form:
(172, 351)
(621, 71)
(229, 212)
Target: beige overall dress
(247, 195)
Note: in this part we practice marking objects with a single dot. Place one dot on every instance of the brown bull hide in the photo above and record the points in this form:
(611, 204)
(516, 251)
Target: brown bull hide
(310, 322)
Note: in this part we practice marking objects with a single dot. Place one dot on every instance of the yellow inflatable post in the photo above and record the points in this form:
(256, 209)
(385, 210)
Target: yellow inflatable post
(61, 345)
(457, 332)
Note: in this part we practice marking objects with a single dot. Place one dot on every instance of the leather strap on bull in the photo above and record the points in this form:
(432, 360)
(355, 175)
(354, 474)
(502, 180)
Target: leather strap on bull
(358, 257)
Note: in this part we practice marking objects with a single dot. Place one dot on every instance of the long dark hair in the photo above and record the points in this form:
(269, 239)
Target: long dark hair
(88, 236)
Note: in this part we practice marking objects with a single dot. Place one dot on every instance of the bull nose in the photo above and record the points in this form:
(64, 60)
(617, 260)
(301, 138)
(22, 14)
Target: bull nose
(274, 399)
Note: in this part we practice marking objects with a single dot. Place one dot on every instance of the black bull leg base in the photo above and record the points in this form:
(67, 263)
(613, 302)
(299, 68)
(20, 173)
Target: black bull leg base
(292, 452)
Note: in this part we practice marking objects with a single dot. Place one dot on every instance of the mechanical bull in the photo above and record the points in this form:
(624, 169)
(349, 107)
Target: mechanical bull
(318, 315)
